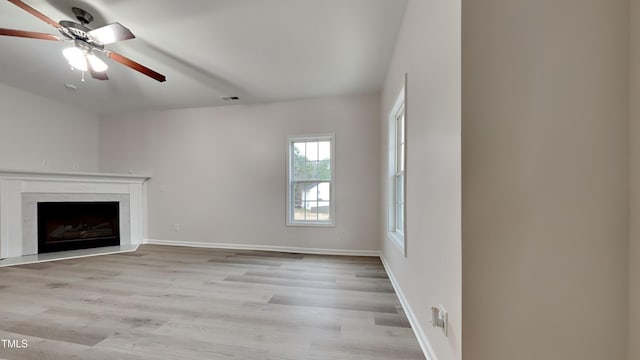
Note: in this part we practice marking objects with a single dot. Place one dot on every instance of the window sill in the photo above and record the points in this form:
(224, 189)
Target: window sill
(311, 224)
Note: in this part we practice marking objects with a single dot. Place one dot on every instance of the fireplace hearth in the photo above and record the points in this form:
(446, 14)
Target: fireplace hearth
(66, 226)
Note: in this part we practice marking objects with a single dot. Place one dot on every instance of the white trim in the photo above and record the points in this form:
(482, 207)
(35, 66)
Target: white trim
(396, 239)
(66, 255)
(312, 224)
(289, 249)
(71, 176)
(427, 349)
(400, 104)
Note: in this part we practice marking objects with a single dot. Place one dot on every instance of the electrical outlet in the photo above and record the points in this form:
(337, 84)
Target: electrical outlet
(440, 319)
(176, 227)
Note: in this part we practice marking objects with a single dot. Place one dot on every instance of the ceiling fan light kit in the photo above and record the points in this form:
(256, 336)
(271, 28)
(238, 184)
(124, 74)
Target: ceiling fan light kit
(76, 58)
(86, 42)
(96, 64)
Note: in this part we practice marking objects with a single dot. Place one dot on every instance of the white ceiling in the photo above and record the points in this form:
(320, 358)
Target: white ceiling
(259, 50)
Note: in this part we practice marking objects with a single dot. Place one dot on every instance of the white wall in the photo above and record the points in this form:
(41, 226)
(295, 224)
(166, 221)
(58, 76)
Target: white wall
(634, 250)
(428, 50)
(34, 129)
(220, 172)
(545, 179)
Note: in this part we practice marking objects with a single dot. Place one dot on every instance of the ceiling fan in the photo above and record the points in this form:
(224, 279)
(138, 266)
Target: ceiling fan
(86, 42)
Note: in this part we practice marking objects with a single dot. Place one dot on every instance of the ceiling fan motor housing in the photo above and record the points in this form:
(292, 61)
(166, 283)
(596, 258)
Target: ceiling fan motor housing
(79, 33)
(82, 15)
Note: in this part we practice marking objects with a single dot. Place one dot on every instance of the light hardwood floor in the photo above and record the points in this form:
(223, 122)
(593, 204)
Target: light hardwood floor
(165, 302)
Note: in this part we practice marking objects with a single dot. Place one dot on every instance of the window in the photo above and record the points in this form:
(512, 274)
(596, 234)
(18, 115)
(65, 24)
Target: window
(398, 176)
(310, 195)
(397, 168)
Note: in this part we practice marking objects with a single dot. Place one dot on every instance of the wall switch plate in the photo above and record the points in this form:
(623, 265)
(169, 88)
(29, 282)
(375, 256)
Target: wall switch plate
(440, 319)
(176, 227)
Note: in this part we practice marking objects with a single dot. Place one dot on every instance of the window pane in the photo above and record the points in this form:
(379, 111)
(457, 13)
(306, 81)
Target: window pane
(324, 211)
(299, 169)
(298, 214)
(299, 161)
(312, 170)
(400, 140)
(324, 170)
(400, 219)
(299, 149)
(311, 160)
(324, 150)
(312, 150)
(311, 210)
(324, 191)
(299, 194)
(402, 132)
(401, 158)
(399, 203)
(312, 201)
(311, 192)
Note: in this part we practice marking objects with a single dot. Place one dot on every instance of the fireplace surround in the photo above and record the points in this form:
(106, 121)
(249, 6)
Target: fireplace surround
(22, 191)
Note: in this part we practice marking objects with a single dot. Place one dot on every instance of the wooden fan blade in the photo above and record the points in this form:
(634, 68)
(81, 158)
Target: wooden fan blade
(111, 33)
(136, 66)
(29, 34)
(35, 13)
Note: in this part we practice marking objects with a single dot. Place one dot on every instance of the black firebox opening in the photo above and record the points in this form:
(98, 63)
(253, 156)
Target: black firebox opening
(77, 225)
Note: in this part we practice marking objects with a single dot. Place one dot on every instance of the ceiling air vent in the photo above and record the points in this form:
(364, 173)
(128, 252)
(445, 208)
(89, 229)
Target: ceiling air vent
(229, 98)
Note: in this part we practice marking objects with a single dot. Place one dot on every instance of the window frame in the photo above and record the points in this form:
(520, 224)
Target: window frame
(290, 206)
(397, 171)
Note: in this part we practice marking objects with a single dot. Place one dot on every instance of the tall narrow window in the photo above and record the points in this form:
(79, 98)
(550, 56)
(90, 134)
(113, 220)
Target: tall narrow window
(397, 171)
(310, 197)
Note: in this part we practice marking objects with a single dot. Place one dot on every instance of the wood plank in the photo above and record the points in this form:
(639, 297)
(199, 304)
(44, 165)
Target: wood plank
(331, 303)
(166, 302)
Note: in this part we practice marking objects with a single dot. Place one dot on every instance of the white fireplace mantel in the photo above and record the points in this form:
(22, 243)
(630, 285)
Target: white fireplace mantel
(21, 189)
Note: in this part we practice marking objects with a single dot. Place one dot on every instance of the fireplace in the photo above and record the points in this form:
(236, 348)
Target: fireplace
(66, 226)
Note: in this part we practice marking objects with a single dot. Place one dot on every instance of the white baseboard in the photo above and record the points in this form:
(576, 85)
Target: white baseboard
(301, 250)
(427, 349)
